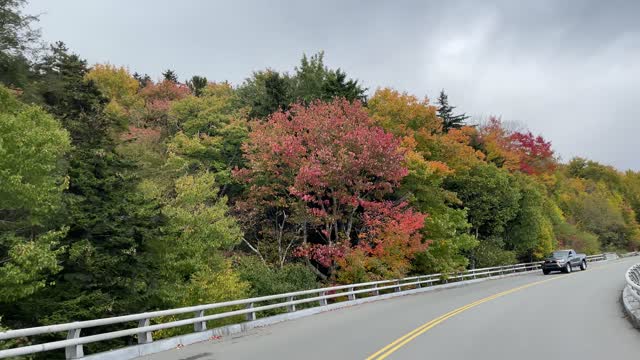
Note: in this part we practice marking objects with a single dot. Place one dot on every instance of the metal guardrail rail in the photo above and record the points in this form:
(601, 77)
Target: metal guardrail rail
(633, 280)
(74, 342)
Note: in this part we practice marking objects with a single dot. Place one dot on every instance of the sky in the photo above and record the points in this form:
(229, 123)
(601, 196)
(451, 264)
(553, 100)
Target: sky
(568, 70)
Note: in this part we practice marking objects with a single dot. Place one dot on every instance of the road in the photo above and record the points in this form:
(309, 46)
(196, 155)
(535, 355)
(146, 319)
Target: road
(575, 315)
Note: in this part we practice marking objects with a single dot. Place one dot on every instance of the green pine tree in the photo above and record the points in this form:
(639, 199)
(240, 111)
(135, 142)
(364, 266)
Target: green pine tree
(445, 112)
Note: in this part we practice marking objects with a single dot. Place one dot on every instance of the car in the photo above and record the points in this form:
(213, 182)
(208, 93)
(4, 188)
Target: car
(565, 261)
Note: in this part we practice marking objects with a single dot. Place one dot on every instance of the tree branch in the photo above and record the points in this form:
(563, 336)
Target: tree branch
(254, 250)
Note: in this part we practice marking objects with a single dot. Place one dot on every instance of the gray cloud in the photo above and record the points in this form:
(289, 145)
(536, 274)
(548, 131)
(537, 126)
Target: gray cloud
(566, 69)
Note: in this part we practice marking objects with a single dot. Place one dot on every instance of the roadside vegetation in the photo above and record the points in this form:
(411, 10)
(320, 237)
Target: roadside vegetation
(120, 193)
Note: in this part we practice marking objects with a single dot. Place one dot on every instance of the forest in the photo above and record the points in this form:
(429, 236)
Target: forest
(121, 193)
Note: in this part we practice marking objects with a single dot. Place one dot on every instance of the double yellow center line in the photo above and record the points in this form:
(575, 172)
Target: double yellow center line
(403, 340)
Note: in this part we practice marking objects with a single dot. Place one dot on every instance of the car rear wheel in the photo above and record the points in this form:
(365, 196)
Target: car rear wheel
(546, 272)
(583, 265)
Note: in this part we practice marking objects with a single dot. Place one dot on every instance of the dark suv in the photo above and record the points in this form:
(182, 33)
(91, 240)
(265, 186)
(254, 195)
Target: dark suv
(565, 261)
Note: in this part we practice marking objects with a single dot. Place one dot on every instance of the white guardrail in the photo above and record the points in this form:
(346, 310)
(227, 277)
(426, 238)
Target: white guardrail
(73, 344)
(633, 280)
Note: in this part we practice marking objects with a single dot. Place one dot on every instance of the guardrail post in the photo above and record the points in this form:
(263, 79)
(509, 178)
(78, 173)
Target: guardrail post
(418, 285)
(250, 315)
(397, 288)
(145, 336)
(351, 296)
(376, 292)
(74, 351)
(200, 325)
(291, 308)
(323, 302)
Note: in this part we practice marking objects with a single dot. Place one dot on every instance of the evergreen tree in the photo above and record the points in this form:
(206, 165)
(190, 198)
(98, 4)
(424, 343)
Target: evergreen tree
(143, 80)
(314, 80)
(337, 85)
(266, 92)
(170, 75)
(197, 84)
(105, 269)
(445, 112)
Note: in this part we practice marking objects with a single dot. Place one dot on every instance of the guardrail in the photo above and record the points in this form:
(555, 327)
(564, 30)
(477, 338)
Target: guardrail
(633, 280)
(74, 342)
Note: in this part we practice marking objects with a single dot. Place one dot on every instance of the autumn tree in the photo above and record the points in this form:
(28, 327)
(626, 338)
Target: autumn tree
(313, 175)
(117, 85)
(536, 156)
(403, 114)
(446, 227)
(158, 98)
(515, 150)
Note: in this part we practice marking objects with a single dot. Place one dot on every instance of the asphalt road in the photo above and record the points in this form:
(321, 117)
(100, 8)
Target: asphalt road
(559, 316)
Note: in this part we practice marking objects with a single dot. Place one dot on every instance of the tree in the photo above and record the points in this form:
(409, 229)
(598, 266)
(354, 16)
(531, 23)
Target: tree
(530, 234)
(16, 34)
(18, 44)
(77, 103)
(490, 197)
(337, 85)
(32, 146)
(117, 85)
(536, 156)
(495, 141)
(631, 189)
(445, 112)
(170, 75)
(313, 175)
(446, 227)
(208, 133)
(191, 266)
(197, 84)
(403, 114)
(158, 99)
(143, 80)
(104, 265)
(594, 199)
(266, 92)
(313, 81)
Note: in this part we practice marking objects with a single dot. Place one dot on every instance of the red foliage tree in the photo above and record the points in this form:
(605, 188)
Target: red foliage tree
(515, 150)
(159, 96)
(322, 173)
(536, 156)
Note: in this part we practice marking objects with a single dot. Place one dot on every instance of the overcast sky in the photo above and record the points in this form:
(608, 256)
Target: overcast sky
(569, 70)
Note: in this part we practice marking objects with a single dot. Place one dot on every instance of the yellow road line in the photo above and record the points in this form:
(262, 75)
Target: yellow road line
(403, 340)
